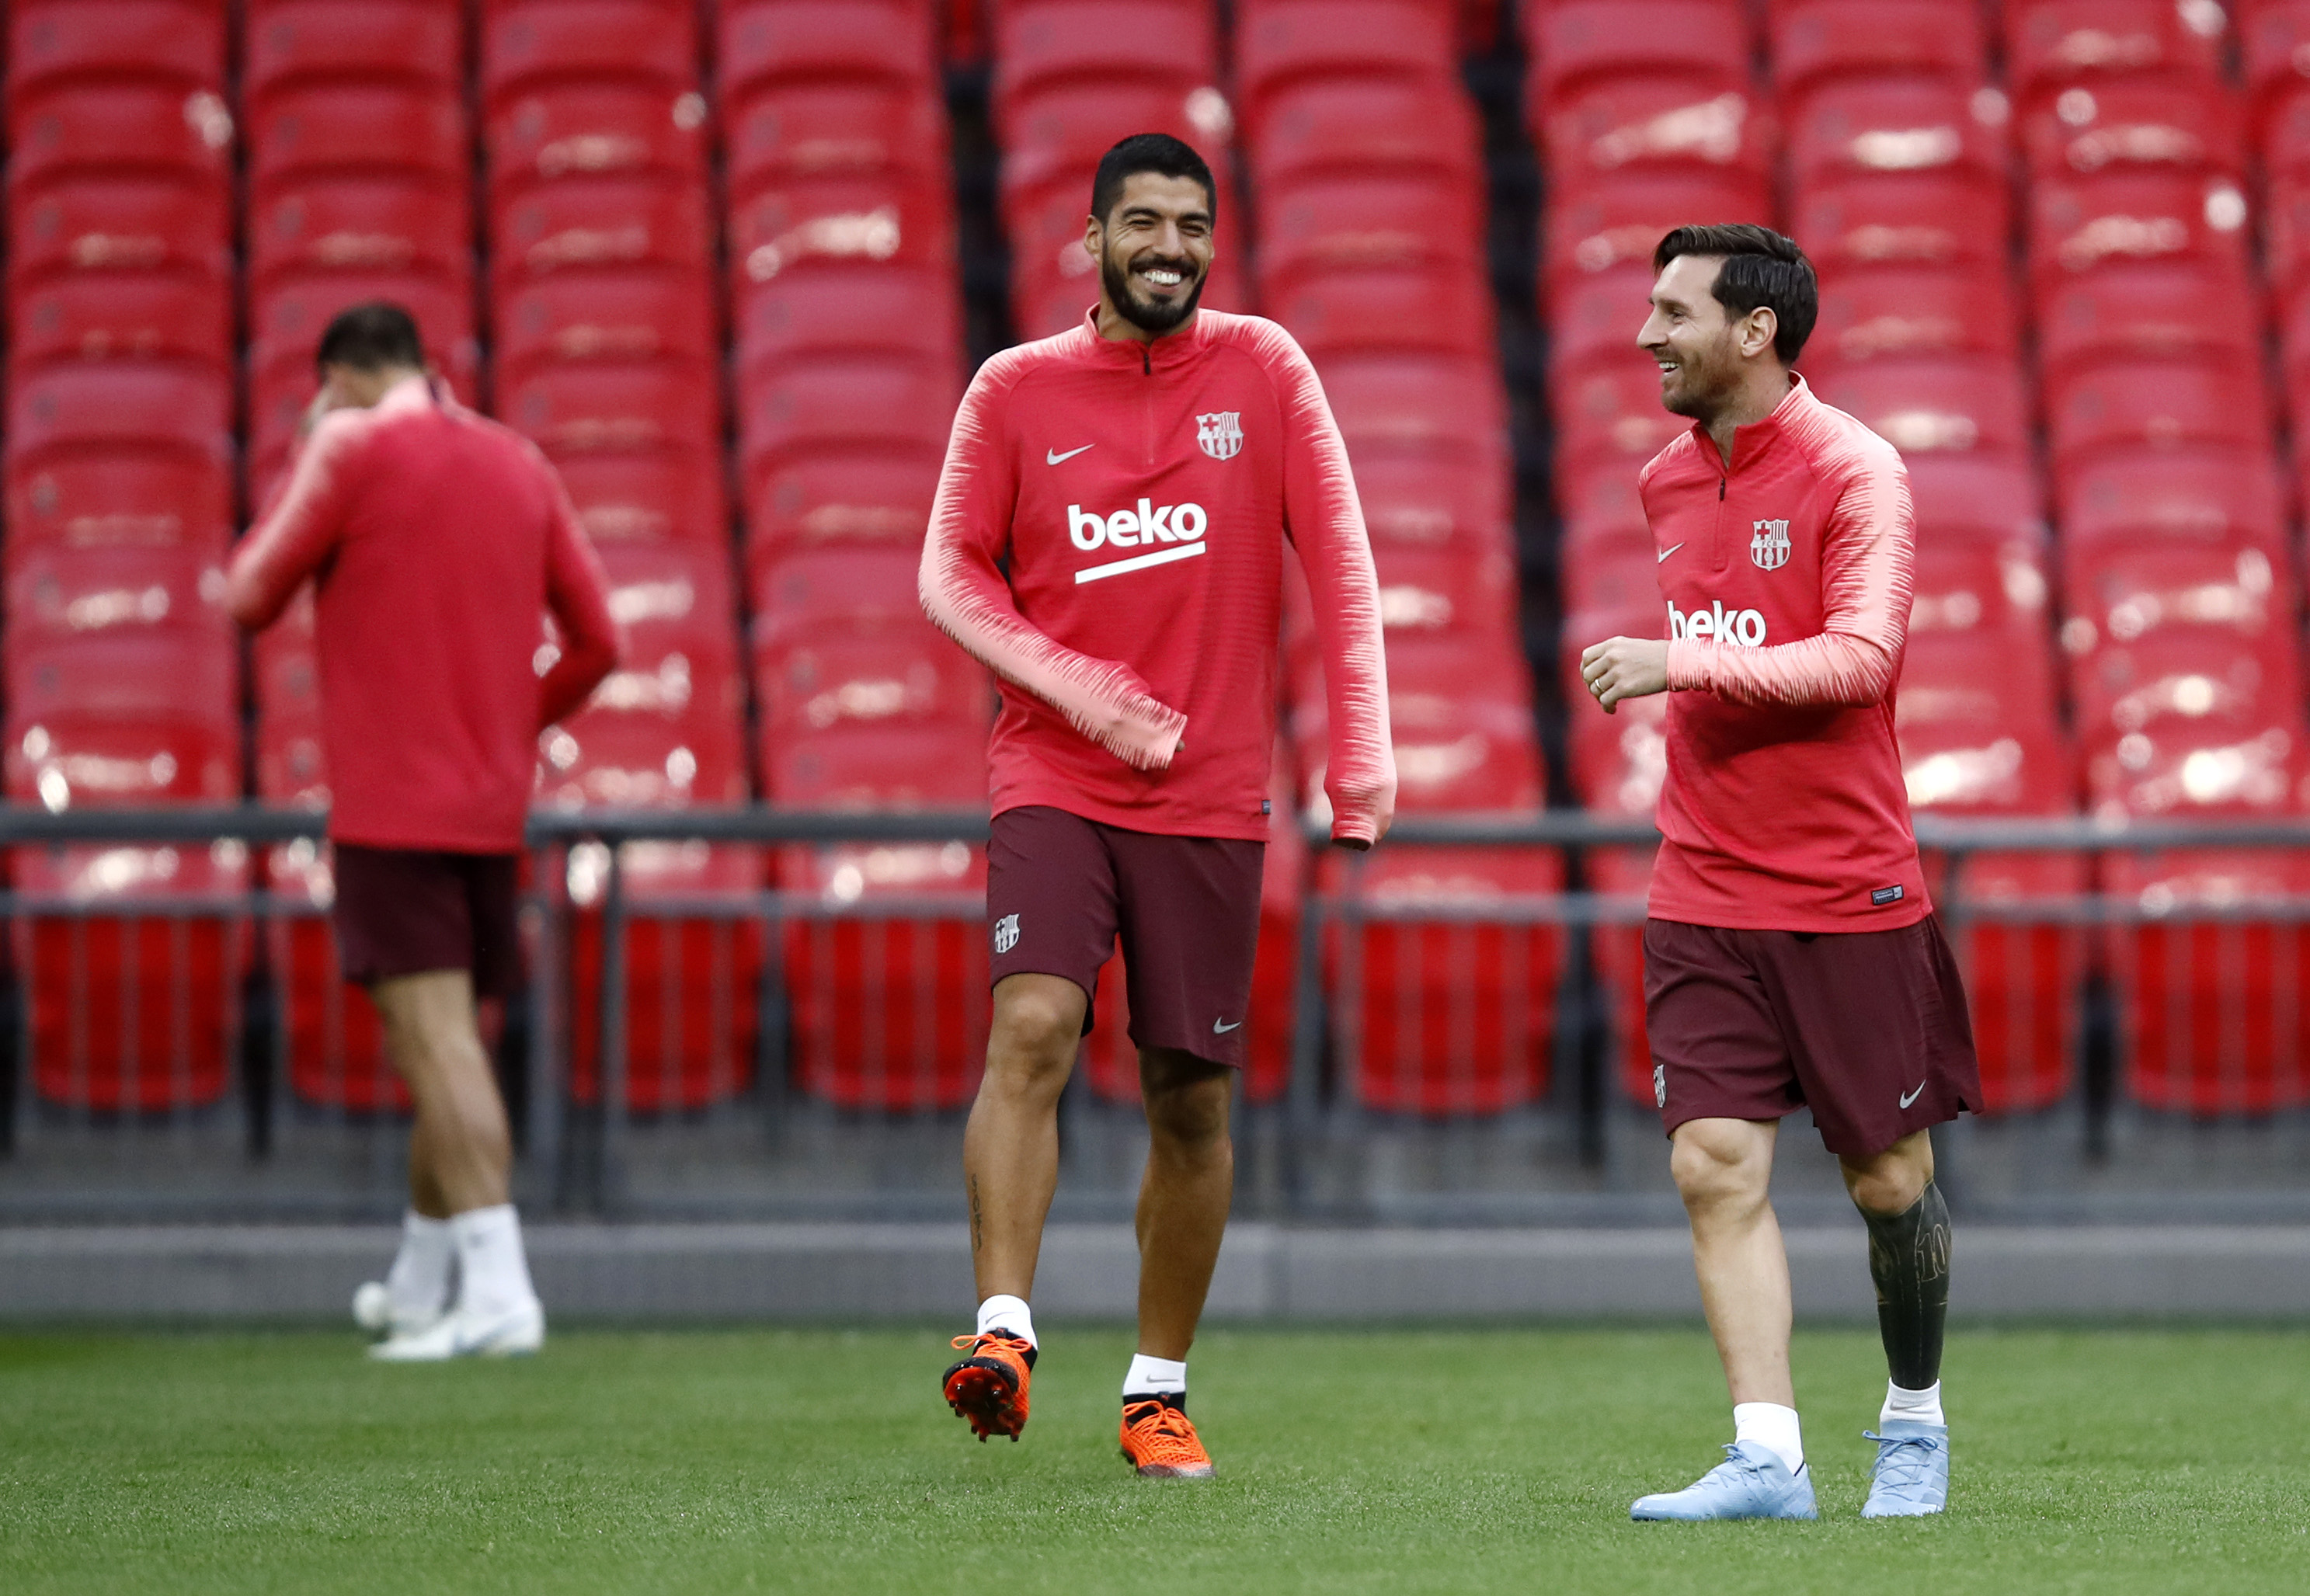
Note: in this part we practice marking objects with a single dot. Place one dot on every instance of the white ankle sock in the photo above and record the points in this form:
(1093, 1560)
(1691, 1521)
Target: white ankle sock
(418, 1283)
(1772, 1426)
(1011, 1314)
(1153, 1376)
(494, 1271)
(1918, 1406)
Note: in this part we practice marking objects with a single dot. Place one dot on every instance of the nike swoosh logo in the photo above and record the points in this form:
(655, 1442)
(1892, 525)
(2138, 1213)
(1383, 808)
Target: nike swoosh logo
(1913, 1096)
(1052, 457)
(1220, 1030)
(1665, 553)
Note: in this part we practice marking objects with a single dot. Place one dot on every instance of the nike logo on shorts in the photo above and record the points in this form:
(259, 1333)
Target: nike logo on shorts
(1051, 456)
(1912, 1097)
(1662, 559)
(1220, 1030)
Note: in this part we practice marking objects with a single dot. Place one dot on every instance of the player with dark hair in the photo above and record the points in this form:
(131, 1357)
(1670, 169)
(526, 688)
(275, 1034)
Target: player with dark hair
(436, 540)
(1792, 958)
(1109, 538)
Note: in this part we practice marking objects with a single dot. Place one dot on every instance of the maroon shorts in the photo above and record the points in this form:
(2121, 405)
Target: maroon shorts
(404, 912)
(1867, 1029)
(1061, 889)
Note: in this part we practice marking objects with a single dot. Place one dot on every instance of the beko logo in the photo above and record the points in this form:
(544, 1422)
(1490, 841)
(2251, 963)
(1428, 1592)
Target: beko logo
(1148, 526)
(1744, 627)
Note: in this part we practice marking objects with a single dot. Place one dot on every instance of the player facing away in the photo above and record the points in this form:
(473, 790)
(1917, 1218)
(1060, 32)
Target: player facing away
(1109, 538)
(435, 540)
(1791, 957)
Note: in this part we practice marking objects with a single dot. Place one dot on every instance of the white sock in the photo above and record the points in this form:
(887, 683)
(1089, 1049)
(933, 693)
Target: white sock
(1916, 1407)
(1011, 1314)
(1772, 1426)
(494, 1271)
(418, 1283)
(1155, 1377)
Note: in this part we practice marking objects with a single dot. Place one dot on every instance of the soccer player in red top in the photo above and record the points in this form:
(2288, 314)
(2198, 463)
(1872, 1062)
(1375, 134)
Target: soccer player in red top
(436, 540)
(1791, 957)
(1109, 538)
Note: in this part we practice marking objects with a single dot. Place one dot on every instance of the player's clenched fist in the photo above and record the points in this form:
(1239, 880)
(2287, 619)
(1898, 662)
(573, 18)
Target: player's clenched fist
(1621, 668)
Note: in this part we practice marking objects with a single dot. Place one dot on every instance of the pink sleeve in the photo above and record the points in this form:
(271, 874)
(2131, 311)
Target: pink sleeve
(578, 595)
(964, 593)
(1326, 523)
(300, 529)
(1867, 560)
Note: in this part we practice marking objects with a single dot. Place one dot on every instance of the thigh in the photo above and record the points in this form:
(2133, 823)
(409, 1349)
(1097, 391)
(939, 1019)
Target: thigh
(1718, 1051)
(1190, 910)
(1051, 901)
(493, 910)
(399, 911)
(1877, 1024)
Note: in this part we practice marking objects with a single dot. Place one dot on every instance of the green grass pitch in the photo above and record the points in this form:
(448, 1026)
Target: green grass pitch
(1363, 1460)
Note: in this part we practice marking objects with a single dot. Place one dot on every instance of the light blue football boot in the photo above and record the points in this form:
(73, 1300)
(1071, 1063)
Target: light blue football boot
(1751, 1482)
(1912, 1477)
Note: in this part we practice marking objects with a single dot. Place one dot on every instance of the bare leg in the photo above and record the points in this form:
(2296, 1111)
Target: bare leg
(1183, 1200)
(461, 1152)
(1011, 1147)
(1724, 1170)
(1891, 1181)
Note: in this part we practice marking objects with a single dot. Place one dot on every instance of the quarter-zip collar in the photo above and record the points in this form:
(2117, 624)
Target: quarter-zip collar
(1751, 441)
(1166, 354)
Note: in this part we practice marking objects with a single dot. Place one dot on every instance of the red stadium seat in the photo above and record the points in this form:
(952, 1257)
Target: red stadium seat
(816, 593)
(2192, 772)
(679, 615)
(335, 128)
(1613, 413)
(111, 222)
(2155, 311)
(418, 41)
(2164, 124)
(1282, 46)
(642, 499)
(101, 316)
(2126, 590)
(1585, 42)
(1454, 749)
(846, 402)
(1964, 497)
(118, 406)
(2210, 496)
(1370, 221)
(1437, 406)
(1923, 218)
(1458, 1009)
(1829, 40)
(607, 758)
(175, 44)
(1043, 44)
(1879, 125)
(2157, 404)
(2286, 226)
(813, 678)
(371, 224)
(1057, 134)
(1367, 127)
(2209, 682)
(878, 309)
(1616, 227)
(62, 595)
(1608, 133)
(1980, 590)
(934, 766)
(2023, 971)
(136, 498)
(333, 1039)
(2272, 35)
(2051, 44)
(859, 495)
(837, 129)
(117, 129)
(778, 44)
(528, 47)
(104, 721)
(1625, 874)
(1422, 504)
(1903, 312)
(617, 407)
(1954, 402)
(2209, 998)
(1975, 717)
(1443, 592)
(613, 315)
(1601, 509)
(1443, 309)
(580, 223)
(840, 221)
(596, 130)
(1593, 324)
(2131, 216)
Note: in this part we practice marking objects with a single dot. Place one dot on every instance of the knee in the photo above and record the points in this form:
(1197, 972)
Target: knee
(1188, 1117)
(1033, 1044)
(1716, 1168)
(1885, 1190)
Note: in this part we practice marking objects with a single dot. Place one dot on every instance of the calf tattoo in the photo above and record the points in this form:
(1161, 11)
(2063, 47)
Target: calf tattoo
(1909, 1260)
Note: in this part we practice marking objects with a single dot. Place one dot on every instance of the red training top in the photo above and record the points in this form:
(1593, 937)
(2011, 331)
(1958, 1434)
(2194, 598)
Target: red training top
(434, 537)
(1140, 495)
(1787, 578)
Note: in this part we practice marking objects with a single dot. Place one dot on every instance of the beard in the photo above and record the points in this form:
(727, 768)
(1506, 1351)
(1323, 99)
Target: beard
(1701, 392)
(1149, 316)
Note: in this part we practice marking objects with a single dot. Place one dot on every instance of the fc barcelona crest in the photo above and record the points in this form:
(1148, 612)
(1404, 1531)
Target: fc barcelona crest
(1220, 435)
(1770, 548)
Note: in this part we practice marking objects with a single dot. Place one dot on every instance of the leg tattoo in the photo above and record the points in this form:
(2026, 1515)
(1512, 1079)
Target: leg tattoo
(1909, 1260)
(978, 1219)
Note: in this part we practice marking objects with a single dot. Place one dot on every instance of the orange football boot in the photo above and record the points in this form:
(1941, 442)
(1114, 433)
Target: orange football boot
(988, 1386)
(1160, 1441)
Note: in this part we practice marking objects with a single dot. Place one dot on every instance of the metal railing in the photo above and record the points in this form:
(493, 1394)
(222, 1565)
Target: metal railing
(1451, 1054)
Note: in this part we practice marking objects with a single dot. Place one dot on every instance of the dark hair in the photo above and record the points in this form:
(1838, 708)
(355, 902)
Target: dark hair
(371, 337)
(1156, 152)
(1760, 267)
